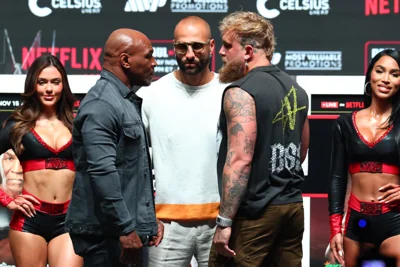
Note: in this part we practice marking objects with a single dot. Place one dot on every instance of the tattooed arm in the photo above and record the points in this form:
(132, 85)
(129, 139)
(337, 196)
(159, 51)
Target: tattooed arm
(240, 112)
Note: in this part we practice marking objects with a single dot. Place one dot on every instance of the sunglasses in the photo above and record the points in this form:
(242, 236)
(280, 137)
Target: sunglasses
(197, 47)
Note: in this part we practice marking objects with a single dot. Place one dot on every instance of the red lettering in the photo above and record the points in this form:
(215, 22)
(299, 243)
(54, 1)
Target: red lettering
(349, 104)
(383, 9)
(74, 64)
(77, 103)
(28, 56)
(67, 55)
(371, 7)
(95, 53)
(54, 50)
(40, 51)
(85, 58)
(64, 54)
(396, 6)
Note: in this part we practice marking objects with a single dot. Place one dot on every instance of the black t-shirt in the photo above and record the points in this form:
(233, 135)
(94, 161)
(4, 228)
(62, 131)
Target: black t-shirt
(281, 109)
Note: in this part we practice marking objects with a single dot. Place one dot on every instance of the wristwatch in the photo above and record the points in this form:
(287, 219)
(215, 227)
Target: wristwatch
(223, 222)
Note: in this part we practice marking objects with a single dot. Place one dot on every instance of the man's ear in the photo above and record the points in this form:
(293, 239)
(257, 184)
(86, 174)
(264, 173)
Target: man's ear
(124, 59)
(249, 50)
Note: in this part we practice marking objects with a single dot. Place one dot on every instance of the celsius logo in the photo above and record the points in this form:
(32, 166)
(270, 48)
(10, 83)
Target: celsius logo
(86, 6)
(314, 7)
(143, 5)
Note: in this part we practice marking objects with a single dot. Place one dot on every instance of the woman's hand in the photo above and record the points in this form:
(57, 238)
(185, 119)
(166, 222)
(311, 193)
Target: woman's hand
(391, 194)
(337, 248)
(24, 204)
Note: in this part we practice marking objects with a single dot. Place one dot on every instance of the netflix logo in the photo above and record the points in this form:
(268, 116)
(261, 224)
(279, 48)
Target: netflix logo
(329, 104)
(381, 7)
(87, 58)
(355, 105)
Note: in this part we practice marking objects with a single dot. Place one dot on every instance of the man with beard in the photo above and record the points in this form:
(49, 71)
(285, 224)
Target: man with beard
(264, 141)
(181, 111)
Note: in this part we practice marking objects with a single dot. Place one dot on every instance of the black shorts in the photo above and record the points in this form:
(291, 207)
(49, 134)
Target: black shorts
(49, 221)
(373, 223)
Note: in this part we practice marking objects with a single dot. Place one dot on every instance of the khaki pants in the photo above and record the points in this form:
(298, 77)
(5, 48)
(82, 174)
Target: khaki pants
(273, 240)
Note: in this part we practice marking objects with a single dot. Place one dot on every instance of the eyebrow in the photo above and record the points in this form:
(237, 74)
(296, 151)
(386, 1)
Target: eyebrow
(382, 67)
(45, 79)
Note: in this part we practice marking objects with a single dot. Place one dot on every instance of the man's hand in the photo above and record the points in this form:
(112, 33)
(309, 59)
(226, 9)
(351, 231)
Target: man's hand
(131, 247)
(221, 241)
(24, 204)
(160, 234)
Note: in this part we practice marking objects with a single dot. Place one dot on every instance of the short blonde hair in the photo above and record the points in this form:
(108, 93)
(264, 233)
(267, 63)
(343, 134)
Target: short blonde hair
(250, 28)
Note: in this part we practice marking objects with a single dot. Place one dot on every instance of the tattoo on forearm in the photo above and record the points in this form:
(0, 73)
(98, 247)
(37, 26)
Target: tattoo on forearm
(229, 158)
(240, 113)
(233, 191)
(249, 145)
(236, 129)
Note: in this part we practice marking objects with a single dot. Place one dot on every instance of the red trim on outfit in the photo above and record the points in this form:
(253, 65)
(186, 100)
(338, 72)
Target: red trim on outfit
(47, 207)
(370, 144)
(17, 220)
(49, 163)
(370, 208)
(4, 198)
(55, 151)
(373, 167)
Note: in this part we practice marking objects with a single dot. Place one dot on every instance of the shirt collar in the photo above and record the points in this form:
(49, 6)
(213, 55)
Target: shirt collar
(124, 90)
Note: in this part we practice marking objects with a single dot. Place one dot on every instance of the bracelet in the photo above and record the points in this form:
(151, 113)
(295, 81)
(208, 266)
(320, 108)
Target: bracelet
(224, 222)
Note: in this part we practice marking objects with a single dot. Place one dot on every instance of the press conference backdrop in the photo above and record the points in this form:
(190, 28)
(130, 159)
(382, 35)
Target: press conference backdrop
(314, 37)
(325, 44)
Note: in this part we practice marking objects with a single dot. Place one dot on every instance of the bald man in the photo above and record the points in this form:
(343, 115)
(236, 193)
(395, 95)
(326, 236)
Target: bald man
(111, 215)
(181, 111)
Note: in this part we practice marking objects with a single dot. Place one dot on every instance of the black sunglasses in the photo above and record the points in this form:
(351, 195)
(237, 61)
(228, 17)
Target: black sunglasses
(182, 48)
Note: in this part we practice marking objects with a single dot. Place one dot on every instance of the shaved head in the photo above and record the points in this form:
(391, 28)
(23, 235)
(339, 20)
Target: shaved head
(123, 41)
(128, 55)
(192, 23)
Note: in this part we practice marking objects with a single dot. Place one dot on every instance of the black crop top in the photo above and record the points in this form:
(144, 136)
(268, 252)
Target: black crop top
(349, 147)
(34, 147)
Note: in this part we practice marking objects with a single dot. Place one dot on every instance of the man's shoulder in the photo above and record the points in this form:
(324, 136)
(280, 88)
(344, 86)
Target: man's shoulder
(103, 92)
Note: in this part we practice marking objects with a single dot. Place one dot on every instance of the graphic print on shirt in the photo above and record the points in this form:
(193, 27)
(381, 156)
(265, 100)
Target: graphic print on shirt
(287, 157)
(288, 111)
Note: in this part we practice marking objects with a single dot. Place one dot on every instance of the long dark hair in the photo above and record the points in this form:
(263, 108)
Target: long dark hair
(395, 54)
(25, 117)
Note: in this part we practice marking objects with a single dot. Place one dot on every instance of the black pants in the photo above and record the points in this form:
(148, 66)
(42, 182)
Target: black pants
(99, 251)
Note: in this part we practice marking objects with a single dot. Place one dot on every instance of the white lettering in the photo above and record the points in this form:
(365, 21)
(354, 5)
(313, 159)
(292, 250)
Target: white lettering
(285, 158)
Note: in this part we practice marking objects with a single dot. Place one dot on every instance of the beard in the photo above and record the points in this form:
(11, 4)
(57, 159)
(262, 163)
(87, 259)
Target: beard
(201, 64)
(231, 71)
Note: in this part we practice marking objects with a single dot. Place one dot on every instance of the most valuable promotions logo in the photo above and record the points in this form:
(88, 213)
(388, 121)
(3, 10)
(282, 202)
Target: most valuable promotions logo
(86, 6)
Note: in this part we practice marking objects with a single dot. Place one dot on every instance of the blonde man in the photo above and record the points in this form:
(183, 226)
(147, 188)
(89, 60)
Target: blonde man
(264, 141)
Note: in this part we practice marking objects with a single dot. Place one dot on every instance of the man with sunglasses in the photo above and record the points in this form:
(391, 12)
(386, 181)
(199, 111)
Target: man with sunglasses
(181, 111)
